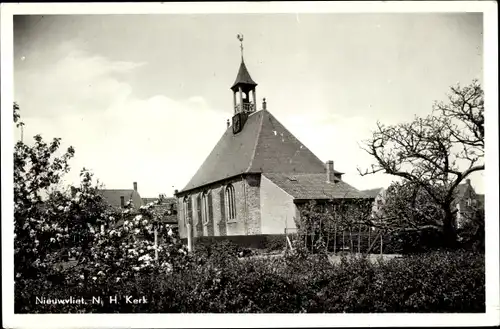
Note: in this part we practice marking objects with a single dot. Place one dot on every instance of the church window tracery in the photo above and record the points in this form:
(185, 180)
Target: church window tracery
(230, 202)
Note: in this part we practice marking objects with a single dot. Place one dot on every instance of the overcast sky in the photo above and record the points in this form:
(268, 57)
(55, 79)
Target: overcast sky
(146, 97)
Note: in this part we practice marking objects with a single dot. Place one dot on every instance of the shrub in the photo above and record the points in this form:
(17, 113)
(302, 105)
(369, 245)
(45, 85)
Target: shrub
(471, 235)
(434, 282)
(415, 241)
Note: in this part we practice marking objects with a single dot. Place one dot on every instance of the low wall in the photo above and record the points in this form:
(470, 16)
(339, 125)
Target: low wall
(261, 241)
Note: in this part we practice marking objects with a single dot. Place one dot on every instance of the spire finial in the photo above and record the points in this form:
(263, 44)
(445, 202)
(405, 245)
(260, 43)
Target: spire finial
(240, 37)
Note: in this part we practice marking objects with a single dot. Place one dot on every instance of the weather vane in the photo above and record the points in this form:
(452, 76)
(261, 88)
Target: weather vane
(240, 37)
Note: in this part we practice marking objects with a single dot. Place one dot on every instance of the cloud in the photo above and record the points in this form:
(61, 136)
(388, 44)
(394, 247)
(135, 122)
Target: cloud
(338, 138)
(158, 142)
(76, 81)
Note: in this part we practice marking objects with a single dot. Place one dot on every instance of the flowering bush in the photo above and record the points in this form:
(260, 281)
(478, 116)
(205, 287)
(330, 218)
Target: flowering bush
(52, 226)
(124, 245)
(41, 230)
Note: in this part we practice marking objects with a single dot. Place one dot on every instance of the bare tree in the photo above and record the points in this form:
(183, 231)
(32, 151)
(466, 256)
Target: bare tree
(435, 153)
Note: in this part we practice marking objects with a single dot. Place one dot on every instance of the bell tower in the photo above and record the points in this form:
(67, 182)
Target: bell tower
(244, 97)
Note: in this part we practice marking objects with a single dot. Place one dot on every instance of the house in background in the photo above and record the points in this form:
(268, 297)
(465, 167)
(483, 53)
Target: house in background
(256, 177)
(467, 202)
(378, 196)
(117, 198)
(165, 208)
(480, 200)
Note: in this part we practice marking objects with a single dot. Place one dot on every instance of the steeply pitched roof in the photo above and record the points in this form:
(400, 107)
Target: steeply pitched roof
(243, 77)
(374, 192)
(313, 187)
(460, 191)
(113, 197)
(263, 146)
(145, 201)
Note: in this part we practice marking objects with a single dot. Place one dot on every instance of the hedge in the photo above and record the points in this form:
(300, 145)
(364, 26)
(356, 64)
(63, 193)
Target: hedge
(434, 282)
(269, 242)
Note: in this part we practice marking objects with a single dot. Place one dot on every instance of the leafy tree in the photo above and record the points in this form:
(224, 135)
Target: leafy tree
(408, 206)
(53, 226)
(320, 223)
(37, 232)
(435, 153)
(411, 218)
(314, 226)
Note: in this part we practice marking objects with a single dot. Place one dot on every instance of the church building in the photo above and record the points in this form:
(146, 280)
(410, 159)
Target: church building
(257, 176)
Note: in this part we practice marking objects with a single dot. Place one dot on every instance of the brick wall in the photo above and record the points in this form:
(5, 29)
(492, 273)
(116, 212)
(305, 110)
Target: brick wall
(238, 226)
(253, 192)
(208, 227)
(219, 225)
(197, 220)
(180, 218)
(269, 242)
(247, 197)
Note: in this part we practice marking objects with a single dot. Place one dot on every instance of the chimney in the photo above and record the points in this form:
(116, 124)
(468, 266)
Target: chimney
(467, 181)
(122, 201)
(264, 104)
(330, 173)
(228, 123)
(135, 186)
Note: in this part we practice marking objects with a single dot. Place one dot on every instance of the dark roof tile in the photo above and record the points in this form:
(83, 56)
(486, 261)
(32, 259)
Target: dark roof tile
(243, 77)
(314, 187)
(263, 146)
(374, 192)
(112, 197)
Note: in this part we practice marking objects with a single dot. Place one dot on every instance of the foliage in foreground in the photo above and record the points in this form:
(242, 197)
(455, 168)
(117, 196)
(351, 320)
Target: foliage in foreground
(52, 226)
(435, 282)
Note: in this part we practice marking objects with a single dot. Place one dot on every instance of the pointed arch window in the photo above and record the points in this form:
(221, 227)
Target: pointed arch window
(230, 202)
(205, 208)
(186, 210)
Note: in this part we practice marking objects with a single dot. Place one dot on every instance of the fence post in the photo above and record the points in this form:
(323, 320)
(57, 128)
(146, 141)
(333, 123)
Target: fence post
(381, 243)
(343, 238)
(359, 239)
(335, 239)
(351, 244)
(286, 244)
(369, 238)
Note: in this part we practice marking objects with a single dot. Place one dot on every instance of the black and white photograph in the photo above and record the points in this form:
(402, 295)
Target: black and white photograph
(218, 159)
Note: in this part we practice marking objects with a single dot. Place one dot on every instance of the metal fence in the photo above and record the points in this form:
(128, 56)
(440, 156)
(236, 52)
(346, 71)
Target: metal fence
(346, 240)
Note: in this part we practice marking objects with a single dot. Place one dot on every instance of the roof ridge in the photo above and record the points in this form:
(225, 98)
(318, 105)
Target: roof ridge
(256, 141)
